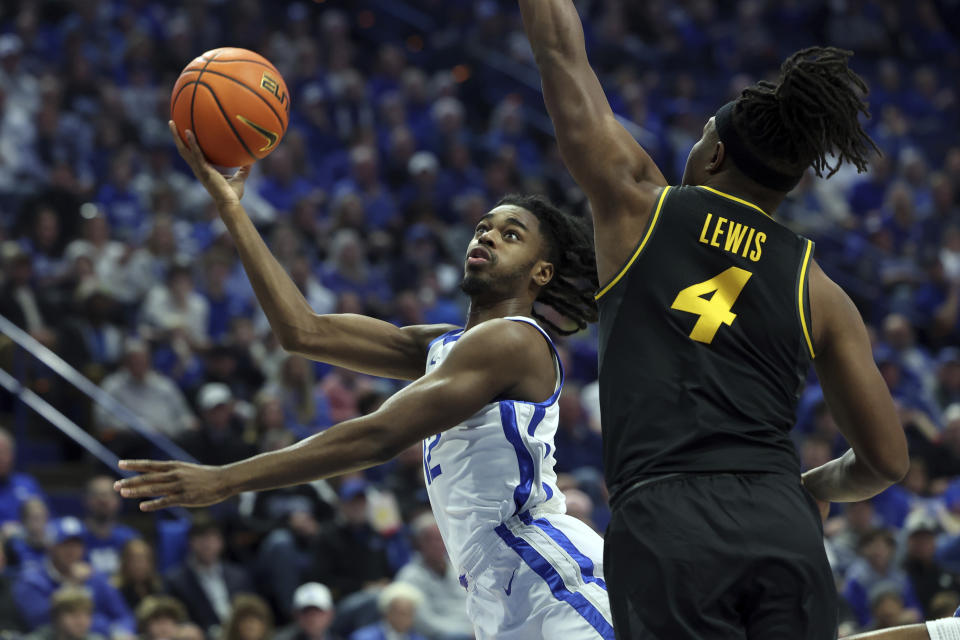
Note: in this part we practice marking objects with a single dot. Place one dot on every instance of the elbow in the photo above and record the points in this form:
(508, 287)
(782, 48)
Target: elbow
(898, 471)
(893, 469)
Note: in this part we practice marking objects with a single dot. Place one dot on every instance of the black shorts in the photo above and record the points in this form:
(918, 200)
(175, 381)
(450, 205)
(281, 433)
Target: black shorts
(717, 557)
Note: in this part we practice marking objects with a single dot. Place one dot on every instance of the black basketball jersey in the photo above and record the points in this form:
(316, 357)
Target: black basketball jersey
(704, 342)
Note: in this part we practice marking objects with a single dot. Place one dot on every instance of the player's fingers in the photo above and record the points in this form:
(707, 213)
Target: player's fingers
(195, 151)
(148, 478)
(160, 503)
(148, 490)
(177, 140)
(143, 466)
(243, 172)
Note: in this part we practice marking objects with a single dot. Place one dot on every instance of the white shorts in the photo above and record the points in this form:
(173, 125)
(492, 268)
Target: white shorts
(540, 577)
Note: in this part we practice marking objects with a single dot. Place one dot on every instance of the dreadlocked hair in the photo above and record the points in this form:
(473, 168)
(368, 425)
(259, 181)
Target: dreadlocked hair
(812, 111)
(570, 250)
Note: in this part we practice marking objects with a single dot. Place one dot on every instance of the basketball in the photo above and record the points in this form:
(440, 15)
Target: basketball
(235, 102)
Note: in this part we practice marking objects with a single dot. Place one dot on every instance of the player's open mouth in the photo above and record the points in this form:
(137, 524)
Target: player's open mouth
(478, 255)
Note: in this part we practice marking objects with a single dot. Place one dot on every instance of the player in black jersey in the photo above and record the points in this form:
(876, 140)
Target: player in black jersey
(710, 315)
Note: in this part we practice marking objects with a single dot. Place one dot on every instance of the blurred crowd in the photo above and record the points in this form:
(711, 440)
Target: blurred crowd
(409, 120)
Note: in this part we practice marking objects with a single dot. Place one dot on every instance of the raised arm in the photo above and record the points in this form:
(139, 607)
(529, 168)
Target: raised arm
(495, 359)
(620, 179)
(858, 399)
(352, 341)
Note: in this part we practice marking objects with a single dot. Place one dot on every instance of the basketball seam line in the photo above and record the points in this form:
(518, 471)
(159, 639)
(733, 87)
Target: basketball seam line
(283, 129)
(193, 98)
(227, 118)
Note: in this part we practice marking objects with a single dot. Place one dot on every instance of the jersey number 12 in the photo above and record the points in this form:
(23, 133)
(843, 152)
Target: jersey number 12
(715, 310)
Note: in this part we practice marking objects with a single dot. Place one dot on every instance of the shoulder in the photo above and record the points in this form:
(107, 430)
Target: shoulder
(371, 632)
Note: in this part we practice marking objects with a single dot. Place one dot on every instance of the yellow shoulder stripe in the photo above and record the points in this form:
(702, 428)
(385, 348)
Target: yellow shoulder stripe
(643, 242)
(735, 199)
(803, 279)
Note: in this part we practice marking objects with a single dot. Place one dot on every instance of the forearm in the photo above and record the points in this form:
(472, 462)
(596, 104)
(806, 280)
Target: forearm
(349, 446)
(845, 479)
(284, 305)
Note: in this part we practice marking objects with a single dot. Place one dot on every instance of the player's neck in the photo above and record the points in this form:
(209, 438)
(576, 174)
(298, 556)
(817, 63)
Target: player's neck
(482, 310)
(764, 198)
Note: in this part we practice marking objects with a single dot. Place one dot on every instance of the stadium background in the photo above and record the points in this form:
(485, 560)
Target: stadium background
(409, 120)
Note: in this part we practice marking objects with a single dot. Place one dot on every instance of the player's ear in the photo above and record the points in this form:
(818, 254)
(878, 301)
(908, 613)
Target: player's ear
(717, 157)
(543, 273)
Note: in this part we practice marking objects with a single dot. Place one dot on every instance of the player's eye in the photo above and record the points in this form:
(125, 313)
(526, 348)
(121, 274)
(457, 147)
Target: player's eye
(515, 235)
(480, 230)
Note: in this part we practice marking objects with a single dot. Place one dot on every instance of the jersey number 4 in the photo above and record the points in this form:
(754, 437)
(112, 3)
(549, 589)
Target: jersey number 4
(723, 291)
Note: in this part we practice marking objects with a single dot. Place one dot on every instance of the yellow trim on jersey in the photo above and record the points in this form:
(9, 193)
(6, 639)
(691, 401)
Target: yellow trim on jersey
(735, 199)
(636, 254)
(803, 279)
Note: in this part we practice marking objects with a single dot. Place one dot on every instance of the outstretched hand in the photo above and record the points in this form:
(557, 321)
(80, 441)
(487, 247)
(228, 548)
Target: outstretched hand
(172, 484)
(224, 190)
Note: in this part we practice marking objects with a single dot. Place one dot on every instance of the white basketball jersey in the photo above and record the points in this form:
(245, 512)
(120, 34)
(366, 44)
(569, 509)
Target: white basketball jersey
(496, 464)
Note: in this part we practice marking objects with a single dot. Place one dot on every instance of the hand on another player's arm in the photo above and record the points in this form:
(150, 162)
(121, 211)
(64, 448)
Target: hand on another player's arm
(225, 191)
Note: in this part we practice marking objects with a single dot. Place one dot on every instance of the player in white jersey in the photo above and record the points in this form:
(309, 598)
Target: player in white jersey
(483, 401)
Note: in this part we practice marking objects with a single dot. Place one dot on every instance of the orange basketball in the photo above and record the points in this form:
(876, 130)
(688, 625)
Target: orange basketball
(235, 102)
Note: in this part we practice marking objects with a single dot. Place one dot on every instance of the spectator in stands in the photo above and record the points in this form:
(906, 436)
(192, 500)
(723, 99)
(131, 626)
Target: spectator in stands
(305, 408)
(289, 519)
(137, 578)
(158, 617)
(398, 604)
(948, 377)
(219, 440)
(65, 567)
(249, 620)
(28, 545)
(313, 614)
(874, 567)
(205, 583)
(926, 576)
(10, 616)
(72, 615)
(15, 487)
(887, 607)
(92, 342)
(147, 393)
(845, 532)
(177, 308)
(20, 301)
(349, 554)
(443, 614)
(104, 536)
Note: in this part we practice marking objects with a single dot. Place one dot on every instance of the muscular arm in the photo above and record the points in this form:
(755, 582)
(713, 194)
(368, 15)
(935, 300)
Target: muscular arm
(355, 342)
(858, 399)
(620, 179)
(498, 358)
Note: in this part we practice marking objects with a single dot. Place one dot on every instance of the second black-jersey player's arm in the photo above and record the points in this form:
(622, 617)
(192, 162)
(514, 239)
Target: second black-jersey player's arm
(617, 175)
(352, 341)
(498, 358)
(858, 399)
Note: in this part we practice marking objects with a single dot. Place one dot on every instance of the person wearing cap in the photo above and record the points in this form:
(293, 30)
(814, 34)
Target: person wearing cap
(64, 566)
(205, 583)
(148, 393)
(313, 614)
(443, 613)
(398, 604)
(875, 565)
(926, 575)
(219, 440)
(349, 554)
